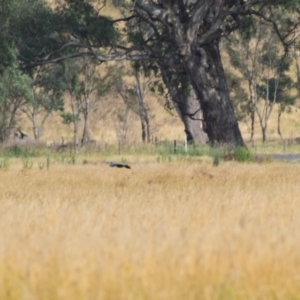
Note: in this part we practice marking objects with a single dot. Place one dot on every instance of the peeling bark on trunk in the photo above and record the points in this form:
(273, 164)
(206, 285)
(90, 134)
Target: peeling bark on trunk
(191, 115)
(187, 107)
(207, 76)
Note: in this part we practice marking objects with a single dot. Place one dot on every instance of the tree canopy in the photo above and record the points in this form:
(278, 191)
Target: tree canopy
(177, 40)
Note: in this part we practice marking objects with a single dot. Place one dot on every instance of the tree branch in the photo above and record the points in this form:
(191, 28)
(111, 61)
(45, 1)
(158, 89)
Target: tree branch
(100, 57)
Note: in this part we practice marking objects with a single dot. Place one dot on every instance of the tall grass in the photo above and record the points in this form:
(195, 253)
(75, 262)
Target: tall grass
(179, 230)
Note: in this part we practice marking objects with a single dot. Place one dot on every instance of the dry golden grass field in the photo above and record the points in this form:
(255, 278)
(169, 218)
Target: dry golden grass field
(172, 230)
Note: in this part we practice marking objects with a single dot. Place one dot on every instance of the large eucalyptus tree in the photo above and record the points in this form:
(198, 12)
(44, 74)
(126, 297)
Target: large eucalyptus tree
(195, 29)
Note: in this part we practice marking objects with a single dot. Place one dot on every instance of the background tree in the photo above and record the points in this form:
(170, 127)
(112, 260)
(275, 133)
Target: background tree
(243, 107)
(94, 80)
(133, 95)
(296, 60)
(15, 93)
(272, 63)
(153, 39)
(70, 79)
(257, 52)
(86, 83)
(47, 96)
(285, 98)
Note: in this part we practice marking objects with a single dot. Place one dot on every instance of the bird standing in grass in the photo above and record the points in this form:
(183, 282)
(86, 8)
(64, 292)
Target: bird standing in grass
(116, 165)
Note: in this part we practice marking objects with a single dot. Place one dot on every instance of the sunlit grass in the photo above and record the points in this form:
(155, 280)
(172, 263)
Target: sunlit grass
(173, 230)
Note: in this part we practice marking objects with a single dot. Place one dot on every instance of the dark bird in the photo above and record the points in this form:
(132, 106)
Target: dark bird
(112, 165)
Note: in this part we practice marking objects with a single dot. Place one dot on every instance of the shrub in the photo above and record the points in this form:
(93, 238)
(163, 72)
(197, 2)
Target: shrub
(241, 154)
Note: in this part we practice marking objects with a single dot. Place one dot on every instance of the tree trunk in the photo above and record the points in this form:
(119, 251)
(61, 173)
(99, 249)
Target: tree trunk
(85, 106)
(279, 123)
(86, 132)
(36, 131)
(195, 32)
(75, 123)
(252, 118)
(12, 111)
(144, 134)
(264, 134)
(143, 112)
(207, 76)
(187, 107)
(191, 115)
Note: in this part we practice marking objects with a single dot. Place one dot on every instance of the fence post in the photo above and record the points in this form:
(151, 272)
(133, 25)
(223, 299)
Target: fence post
(175, 146)
(185, 144)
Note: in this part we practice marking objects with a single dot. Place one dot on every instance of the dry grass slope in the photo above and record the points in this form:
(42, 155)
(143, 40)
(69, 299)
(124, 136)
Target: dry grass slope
(159, 231)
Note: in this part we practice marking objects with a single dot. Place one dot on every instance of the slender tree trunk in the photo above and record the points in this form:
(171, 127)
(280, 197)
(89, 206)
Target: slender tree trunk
(5, 129)
(86, 107)
(264, 133)
(143, 127)
(253, 104)
(32, 115)
(10, 121)
(86, 116)
(75, 123)
(252, 128)
(143, 112)
(36, 131)
(86, 132)
(279, 123)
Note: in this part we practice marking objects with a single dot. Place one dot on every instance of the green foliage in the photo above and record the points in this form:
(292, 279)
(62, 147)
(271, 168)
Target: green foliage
(23, 151)
(242, 106)
(46, 164)
(48, 88)
(216, 159)
(241, 154)
(15, 92)
(82, 20)
(7, 53)
(248, 28)
(67, 117)
(35, 30)
(27, 163)
(4, 163)
(69, 159)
